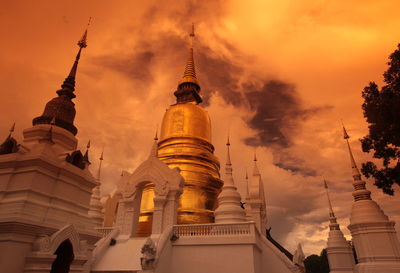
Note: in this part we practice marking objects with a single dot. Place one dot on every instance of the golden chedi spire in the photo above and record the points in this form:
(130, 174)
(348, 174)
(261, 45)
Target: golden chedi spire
(189, 87)
(185, 142)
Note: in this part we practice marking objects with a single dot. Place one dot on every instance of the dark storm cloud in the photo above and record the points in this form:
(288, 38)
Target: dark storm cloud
(135, 66)
(277, 109)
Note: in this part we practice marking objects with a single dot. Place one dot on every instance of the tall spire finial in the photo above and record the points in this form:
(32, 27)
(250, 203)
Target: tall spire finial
(360, 191)
(329, 199)
(190, 73)
(189, 87)
(10, 144)
(61, 108)
(247, 185)
(255, 168)
(154, 148)
(156, 135)
(86, 156)
(333, 225)
(100, 163)
(228, 156)
(68, 85)
(12, 129)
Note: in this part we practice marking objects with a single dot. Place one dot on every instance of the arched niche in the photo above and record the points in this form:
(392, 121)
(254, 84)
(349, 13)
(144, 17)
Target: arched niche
(58, 250)
(64, 257)
(168, 185)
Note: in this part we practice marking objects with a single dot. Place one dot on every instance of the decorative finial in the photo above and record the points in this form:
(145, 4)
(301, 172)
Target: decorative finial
(156, 135)
(69, 84)
(86, 155)
(247, 185)
(345, 135)
(9, 145)
(190, 73)
(82, 43)
(255, 167)
(154, 148)
(101, 160)
(12, 128)
(329, 199)
(333, 225)
(228, 167)
(360, 191)
(191, 35)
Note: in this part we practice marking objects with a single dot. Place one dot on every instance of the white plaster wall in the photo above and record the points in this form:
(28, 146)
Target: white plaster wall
(12, 255)
(212, 259)
(272, 259)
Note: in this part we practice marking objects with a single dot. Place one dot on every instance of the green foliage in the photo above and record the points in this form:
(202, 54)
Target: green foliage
(317, 264)
(382, 112)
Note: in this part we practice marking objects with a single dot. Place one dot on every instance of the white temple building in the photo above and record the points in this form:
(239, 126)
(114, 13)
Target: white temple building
(173, 214)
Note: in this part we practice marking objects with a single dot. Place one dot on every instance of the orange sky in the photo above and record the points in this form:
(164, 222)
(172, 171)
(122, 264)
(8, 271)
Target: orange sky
(278, 75)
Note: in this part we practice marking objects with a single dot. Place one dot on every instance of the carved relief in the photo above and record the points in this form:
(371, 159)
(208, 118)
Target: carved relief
(161, 189)
(148, 255)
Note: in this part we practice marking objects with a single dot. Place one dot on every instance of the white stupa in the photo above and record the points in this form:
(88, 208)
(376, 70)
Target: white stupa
(339, 251)
(374, 236)
(229, 209)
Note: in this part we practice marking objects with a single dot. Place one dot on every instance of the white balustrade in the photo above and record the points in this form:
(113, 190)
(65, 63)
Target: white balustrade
(104, 231)
(214, 229)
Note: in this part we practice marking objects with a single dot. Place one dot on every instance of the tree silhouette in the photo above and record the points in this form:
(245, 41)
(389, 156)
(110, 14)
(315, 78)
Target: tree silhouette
(317, 264)
(382, 111)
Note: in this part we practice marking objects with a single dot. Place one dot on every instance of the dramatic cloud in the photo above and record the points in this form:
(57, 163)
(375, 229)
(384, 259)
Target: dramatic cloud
(277, 75)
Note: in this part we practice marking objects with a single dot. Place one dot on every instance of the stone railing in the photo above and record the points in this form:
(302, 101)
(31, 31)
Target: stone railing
(104, 231)
(214, 229)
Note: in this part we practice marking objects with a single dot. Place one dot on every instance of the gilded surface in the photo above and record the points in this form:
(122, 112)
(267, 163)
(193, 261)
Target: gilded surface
(185, 142)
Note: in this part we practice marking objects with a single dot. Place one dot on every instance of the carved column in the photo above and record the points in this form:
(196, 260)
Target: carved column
(171, 209)
(158, 214)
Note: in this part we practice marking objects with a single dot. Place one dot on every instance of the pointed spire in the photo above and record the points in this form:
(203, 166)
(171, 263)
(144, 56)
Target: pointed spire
(69, 83)
(228, 154)
(10, 144)
(156, 135)
(255, 167)
(61, 109)
(154, 148)
(190, 73)
(352, 161)
(188, 86)
(298, 257)
(12, 129)
(86, 156)
(101, 161)
(228, 164)
(247, 185)
(332, 218)
(360, 191)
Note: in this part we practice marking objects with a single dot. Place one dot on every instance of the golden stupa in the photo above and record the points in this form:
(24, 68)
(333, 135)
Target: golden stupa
(185, 142)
